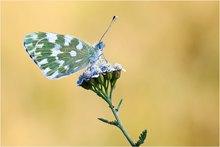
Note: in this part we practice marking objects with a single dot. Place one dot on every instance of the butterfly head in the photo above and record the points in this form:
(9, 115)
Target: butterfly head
(100, 46)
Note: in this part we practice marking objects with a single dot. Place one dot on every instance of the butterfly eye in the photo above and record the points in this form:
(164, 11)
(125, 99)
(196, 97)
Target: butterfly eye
(100, 46)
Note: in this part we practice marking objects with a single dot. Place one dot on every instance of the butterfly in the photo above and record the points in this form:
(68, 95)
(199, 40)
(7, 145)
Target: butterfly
(60, 55)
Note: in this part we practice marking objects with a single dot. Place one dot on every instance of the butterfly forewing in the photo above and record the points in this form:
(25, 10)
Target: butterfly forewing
(57, 55)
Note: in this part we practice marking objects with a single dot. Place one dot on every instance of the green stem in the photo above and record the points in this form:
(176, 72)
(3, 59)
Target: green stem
(120, 126)
(103, 92)
(105, 87)
(111, 90)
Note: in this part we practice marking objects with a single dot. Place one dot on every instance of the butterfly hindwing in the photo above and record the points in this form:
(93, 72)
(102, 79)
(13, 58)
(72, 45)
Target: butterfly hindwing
(57, 55)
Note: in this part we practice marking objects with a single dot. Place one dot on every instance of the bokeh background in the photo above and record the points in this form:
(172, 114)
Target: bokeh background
(170, 52)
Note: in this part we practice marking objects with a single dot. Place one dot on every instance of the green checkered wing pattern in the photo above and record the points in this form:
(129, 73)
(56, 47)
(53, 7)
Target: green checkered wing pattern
(58, 55)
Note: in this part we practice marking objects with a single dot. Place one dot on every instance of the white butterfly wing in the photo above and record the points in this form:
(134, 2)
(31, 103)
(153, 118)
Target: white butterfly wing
(58, 55)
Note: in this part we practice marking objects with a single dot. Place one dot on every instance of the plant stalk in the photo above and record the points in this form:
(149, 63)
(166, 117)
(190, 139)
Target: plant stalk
(115, 113)
(120, 126)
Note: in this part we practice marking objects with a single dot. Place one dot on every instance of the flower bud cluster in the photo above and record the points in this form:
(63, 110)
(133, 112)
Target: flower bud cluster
(100, 77)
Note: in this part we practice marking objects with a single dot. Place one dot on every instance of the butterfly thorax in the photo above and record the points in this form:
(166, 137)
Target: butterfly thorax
(95, 56)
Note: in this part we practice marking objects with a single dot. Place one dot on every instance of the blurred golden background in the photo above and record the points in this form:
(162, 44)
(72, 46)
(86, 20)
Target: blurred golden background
(170, 52)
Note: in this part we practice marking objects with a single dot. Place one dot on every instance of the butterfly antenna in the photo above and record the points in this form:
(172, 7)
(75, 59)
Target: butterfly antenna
(113, 20)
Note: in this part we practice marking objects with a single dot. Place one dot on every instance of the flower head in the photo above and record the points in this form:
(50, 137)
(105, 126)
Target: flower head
(97, 76)
(80, 79)
(96, 71)
(105, 67)
(118, 67)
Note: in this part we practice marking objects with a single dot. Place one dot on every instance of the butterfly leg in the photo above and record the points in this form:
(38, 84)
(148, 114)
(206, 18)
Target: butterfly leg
(102, 55)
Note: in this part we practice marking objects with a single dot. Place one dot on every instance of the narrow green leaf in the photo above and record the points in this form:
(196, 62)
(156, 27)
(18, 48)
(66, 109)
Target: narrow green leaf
(142, 138)
(108, 122)
(119, 105)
